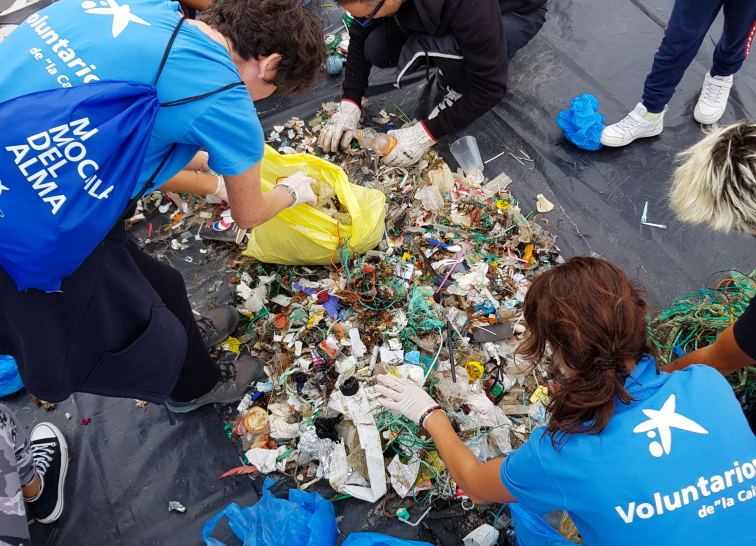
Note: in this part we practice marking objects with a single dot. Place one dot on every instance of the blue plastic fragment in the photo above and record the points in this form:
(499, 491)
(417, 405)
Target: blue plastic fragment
(10, 381)
(582, 124)
(413, 357)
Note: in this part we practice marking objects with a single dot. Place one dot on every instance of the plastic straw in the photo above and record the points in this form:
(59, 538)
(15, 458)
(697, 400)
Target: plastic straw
(462, 255)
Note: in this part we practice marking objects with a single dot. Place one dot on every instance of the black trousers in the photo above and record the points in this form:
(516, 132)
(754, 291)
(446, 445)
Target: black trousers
(120, 326)
(200, 373)
(383, 46)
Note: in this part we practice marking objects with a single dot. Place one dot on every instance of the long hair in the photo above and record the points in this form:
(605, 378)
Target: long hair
(716, 181)
(594, 319)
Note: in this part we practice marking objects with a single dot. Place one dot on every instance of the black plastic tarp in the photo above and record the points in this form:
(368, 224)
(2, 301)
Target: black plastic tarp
(129, 462)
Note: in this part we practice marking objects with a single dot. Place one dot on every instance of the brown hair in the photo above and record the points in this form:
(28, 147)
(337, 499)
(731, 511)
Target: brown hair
(591, 315)
(262, 27)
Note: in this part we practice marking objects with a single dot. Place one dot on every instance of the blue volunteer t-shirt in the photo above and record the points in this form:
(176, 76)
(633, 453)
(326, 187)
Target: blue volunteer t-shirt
(74, 42)
(675, 467)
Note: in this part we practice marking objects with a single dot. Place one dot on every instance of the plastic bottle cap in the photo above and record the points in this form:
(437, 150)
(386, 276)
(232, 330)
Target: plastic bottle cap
(474, 370)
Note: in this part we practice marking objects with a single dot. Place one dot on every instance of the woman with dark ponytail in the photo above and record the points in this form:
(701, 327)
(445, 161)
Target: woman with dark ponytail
(635, 455)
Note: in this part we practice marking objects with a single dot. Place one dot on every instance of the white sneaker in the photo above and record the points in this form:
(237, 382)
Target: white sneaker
(713, 100)
(635, 125)
(451, 97)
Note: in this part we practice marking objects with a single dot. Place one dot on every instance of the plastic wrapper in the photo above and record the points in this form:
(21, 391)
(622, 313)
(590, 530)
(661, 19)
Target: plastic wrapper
(281, 428)
(533, 530)
(431, 198)
(306, 519)
(10, 380)
(403, 476)
(264, 460)
(304, 235)
(582, 124)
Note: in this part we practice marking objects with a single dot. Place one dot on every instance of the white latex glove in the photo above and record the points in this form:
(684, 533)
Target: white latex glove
(302, 186)
(404, 396)
(411, 144)
(221, 192)
(340, 127)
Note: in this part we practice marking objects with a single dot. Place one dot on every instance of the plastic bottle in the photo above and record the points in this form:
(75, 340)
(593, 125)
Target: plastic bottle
(371, 140)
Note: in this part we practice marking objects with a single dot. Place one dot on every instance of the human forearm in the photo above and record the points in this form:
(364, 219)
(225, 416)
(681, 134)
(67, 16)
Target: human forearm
(357, 67)
(191, 182)
(723, 355)
(458, 458)
(199, 162)
(479, 481)
(271, 203)
(250, 206)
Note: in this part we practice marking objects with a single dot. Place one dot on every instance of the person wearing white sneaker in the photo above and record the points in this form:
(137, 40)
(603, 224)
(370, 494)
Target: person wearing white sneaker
(713, 100)
(687, 27)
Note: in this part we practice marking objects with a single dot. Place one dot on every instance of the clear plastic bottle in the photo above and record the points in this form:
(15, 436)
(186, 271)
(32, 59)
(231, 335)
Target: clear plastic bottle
(371, 140)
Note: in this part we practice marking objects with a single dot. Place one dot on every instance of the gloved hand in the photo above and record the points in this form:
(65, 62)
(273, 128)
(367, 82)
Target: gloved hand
(404, 396)
(340, 127)
(411, 144)
(221, 193)
(301, 185)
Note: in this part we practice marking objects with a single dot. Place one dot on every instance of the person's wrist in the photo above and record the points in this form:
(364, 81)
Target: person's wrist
(434, 417)
(291, 192)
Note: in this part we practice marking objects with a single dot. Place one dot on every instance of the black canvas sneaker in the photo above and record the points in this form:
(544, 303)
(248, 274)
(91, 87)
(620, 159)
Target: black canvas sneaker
(50, 452)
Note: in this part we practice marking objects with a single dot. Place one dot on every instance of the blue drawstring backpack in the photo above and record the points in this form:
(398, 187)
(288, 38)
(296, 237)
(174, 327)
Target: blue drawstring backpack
(70, 159)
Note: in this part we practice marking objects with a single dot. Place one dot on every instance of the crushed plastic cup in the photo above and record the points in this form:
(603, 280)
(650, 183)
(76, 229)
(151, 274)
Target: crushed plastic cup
(466, 152)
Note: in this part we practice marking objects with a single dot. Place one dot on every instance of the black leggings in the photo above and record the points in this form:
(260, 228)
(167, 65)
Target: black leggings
(199, 373)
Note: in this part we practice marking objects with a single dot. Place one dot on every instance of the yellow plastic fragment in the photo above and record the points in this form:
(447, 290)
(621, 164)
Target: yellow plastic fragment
(314, 319)
(528, 254)
(232, 344)
(541, 393)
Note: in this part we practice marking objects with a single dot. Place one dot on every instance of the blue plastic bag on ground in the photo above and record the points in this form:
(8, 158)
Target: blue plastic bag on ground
(10, 381)
(582, 124)
(532, 530)
(306, 519)
(378, 539)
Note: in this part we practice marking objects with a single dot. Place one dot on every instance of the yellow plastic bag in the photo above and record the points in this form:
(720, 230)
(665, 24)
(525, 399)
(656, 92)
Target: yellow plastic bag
(304, 235)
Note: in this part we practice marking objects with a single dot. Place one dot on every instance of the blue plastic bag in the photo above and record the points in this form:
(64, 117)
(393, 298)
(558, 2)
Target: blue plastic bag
(378, 539)
(532, 530)
(582, 124)
(306, 519)
(10, 381)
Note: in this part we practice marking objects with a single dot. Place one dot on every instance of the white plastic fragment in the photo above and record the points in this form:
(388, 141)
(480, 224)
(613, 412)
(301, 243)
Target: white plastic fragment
(485, 535)
(177, 506)
(403, 476)
(543, 204)
(264, 460)
(358, 348)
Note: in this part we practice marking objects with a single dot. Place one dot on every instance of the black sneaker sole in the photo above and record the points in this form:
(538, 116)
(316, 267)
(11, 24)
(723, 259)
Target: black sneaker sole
(58, 510)
(192, 407)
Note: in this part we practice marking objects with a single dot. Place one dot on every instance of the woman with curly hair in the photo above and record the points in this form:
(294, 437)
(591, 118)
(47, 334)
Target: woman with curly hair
(635, 455)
